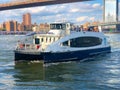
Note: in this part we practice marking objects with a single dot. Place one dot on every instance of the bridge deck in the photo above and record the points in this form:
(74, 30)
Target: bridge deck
(33, 3)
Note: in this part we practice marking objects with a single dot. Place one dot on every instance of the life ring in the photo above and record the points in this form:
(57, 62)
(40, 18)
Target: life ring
(38, 46)
(21, 46)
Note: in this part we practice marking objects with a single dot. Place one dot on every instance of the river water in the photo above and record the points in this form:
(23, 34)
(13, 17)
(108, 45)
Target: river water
(101, 72)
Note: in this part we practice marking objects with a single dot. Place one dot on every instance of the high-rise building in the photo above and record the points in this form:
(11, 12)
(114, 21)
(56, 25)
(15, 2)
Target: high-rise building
(44, 27)
(20, 27)
(11, 26)
(27, 19)
(1, 26)
(15, 25)
(110, 11)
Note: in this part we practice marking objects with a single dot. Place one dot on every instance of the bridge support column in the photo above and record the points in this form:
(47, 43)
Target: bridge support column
(100, 28)
(118, 27)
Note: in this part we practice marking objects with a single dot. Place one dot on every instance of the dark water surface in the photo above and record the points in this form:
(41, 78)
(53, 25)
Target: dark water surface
(97, 73)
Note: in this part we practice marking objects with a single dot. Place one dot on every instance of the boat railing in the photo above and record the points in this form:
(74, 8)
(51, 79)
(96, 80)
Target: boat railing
(22, 46)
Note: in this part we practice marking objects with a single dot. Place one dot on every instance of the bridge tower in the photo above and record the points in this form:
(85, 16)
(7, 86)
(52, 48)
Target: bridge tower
(110, 12)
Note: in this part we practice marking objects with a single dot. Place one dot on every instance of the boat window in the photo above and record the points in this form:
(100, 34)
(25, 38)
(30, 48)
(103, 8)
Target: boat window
(50, 39)
(54, 39)
(46, 39)
(58, 26)
(65, 43)
(85, 41)
(63, 26)
(42, 40)
(37, 41)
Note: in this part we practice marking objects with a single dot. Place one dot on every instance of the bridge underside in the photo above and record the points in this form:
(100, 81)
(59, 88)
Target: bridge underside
(39, 3)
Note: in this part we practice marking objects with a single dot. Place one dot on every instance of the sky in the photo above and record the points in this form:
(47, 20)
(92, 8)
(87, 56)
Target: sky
(78, 13)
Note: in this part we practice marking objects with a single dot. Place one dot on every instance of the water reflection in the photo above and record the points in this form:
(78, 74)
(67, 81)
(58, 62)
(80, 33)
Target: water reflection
(29, 71)
(102, 70)
(55, 73)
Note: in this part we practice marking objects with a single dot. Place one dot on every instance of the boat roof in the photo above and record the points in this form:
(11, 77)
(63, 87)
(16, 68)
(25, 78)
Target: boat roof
(60, 23)
(74, 34)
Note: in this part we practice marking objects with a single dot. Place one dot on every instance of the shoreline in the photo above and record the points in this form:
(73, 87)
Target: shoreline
(26, 32)
(117, 32)
(13, 33)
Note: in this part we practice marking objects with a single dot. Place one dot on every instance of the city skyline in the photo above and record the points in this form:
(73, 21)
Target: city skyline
(75, 12)
(25, 25)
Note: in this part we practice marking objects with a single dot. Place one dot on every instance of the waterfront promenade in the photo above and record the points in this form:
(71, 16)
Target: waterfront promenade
(13, 33)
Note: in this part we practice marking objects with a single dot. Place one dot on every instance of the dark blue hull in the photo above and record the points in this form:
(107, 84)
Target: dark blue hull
(50, 57)
(19, 56)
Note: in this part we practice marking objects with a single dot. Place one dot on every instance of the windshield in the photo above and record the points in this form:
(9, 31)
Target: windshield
(58, 26)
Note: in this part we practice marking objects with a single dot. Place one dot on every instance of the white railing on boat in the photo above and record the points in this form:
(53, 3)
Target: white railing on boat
(23, 46)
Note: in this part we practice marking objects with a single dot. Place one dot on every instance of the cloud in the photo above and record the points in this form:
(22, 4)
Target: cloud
(81, 19)
(9, 15)
(76, 12)
(85, 7)
(96, 5)
(92, 18)
(34, 10)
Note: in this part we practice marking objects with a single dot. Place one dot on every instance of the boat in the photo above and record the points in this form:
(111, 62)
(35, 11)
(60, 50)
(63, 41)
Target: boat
(63, 43)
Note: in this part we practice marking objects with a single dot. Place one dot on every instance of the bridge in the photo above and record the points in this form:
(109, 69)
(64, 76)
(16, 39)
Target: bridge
(106, 24)
(33, 3)
(100, 25)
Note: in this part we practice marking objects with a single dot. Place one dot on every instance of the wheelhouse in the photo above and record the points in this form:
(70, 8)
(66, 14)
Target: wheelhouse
(57, 31)
(60, 26)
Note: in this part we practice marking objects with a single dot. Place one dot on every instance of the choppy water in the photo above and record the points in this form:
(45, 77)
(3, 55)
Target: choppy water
(98, 73)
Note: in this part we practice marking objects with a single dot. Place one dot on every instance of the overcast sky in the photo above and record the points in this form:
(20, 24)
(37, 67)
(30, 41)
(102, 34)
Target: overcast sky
(78, 13)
